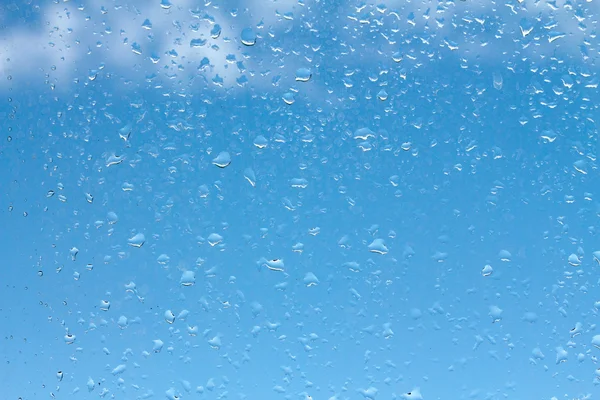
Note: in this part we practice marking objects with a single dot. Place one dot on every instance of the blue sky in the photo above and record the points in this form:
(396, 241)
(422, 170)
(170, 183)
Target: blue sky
(369, 201)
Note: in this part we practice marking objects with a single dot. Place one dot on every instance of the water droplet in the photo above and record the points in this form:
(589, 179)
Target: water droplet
(147, 24)
(137, 241)
(214, 239)
(122, 322)
(169, 316)
(303, 74)
(113, 159)
(261, 142)
(378, 246)
(157, 345)
(69, 338)
(288, 98)
(40, 273)
(89, 198)
(495, 313)
(166, 4)
(119, 369)
(561, 355)
(90, 384)
(215, 343)
(73, 252)
(414, 394)
(112, 218)
(163, 259)
(195, 43)
(504, 255)
(248, 37)
(274, 265)
(580, 166)
(310, 279)
(397, 57)
(104, 305)
(382, 95)
(188, 278)
(574, 260)
(222, 160)
(487, 270)
(596, 341)
(59, 376)
(215, 32)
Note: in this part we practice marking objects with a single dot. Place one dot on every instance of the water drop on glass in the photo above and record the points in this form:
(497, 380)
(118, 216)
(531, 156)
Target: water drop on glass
(378, 246)
(382, 95)
(214, 239)
(261, 142)
(137, 241)
(248, 37)
(169, 316)
(188, 278)
(487, 270)
(303, 74)
(310, 279)
(215, 32)
(73, 252)
(104, 305)
(288, 98)
(222, 160)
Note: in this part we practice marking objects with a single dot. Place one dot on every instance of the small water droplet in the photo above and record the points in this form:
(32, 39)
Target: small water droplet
(89, 198)
(59, 376)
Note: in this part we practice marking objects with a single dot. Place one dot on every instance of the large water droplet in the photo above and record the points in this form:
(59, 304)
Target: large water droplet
(310, 279)
(169, 316)
(137, 241)
(214, 239)
(378, 246)
(188, 278)
(215, 32)
(303, 74)
(222, 160)
(288, 98)
(248, 37)
(261, 142)
(487, 270)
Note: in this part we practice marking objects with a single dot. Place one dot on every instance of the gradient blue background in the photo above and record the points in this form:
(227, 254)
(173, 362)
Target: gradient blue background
(457, 171)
